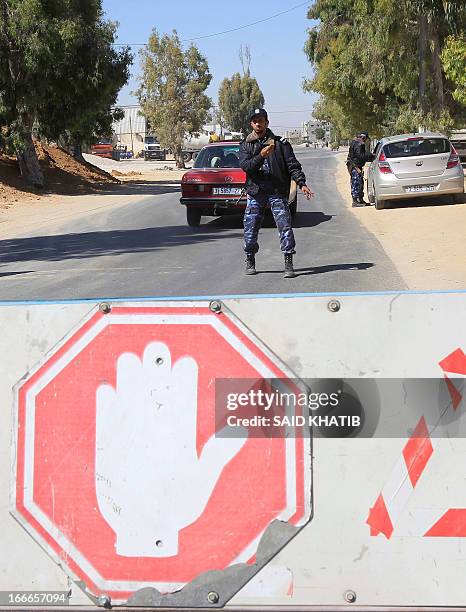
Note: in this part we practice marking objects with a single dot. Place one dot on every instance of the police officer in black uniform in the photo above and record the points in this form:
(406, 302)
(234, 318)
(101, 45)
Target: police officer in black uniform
(357, 158)
(270, 164)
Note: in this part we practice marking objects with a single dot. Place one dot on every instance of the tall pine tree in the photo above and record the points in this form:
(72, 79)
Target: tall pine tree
(172, 90)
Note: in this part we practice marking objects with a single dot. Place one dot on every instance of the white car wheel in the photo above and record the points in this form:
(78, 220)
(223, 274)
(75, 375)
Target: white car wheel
(379, 204)
(370, 194)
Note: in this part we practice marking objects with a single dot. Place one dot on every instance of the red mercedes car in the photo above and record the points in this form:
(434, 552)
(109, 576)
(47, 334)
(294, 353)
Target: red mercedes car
(216, 184)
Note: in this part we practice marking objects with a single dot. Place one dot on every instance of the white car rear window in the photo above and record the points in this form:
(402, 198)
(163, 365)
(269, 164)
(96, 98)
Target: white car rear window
(417, 146)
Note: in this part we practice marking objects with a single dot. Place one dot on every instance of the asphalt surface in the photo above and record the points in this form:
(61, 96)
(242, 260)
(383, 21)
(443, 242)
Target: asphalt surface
(146, 249)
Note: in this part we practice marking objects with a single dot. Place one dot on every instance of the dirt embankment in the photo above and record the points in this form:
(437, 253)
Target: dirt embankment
(64, 175)
(425, 238)
(75, 189)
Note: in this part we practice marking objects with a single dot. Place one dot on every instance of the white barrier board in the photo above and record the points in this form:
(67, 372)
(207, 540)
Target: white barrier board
(104, 487)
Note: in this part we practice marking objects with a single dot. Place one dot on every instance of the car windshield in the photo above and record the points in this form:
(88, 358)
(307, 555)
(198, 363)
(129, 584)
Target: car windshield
(417, 146)
(150, 140)
(218, 157)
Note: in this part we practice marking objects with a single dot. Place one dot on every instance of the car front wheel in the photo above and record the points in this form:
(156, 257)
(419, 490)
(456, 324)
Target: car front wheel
(193, 217)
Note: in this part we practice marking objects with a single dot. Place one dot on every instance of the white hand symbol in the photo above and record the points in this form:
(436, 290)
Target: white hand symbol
(150, 481)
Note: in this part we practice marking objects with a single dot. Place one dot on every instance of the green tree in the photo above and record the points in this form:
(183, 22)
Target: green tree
(95, 81)
(437, 19)
(373, 69)
(320, 133)
(327, 110)
(240, 94)
(454, 65)
(171, 90)
(56, 64)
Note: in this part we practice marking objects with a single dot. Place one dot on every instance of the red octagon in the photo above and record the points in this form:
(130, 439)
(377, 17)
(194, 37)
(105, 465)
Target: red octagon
(56, 437)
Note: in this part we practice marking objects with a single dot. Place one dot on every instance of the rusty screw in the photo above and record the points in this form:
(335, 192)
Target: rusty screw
(350, 596)
(213, 597)
(104, 601)
(334, 306)
(215, 306)
(105, 308)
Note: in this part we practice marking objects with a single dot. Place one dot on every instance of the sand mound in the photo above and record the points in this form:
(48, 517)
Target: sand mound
(63, 175)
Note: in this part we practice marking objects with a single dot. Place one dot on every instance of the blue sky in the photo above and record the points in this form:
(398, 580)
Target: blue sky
(278, 60)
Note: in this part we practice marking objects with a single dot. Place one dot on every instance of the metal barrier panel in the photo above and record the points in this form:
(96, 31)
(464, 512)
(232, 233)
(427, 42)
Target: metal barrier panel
(115, 487)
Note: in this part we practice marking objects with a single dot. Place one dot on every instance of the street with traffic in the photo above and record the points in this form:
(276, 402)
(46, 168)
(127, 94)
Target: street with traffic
(134, 241)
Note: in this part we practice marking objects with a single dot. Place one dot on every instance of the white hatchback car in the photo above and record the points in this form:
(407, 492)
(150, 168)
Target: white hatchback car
(413, 165)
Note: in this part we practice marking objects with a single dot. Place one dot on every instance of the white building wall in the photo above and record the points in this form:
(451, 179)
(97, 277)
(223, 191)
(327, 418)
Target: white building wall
(131, 130)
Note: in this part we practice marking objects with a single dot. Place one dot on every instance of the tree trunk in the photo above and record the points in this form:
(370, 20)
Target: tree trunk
(78, 151)
(422, 63)
(437, 74)
(28, 162)
(179, 157)
(25, 152)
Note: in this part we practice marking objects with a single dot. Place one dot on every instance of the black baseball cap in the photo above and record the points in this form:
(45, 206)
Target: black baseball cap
(365, 134)
(259, 112)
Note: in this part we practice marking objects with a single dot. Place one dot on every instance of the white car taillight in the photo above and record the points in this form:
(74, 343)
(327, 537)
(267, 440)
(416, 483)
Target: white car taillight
(383, 164)
(454, 158)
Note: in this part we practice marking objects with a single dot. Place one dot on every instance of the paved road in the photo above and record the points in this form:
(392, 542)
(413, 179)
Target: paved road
(146, 249)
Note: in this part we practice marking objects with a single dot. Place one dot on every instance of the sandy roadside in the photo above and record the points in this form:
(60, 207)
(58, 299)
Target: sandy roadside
(427, 244)
(154, 176)
(28, 214)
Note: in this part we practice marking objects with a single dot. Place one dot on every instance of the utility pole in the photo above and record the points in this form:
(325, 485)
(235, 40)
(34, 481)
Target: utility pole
(131, 130)
(214, 118)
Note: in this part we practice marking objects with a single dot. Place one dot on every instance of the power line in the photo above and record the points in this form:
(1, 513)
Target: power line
(302, 110)
(291, 110)
(247, 25)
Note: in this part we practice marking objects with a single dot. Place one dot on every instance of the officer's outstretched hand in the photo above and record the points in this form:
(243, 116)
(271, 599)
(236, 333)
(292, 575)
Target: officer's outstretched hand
(307, 192)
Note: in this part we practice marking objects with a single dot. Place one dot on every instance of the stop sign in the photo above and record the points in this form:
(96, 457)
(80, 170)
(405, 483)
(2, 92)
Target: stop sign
(119, 476)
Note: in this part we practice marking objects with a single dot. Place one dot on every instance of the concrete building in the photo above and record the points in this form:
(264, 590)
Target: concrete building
(295, 136)
(310, 127)
(131, 130)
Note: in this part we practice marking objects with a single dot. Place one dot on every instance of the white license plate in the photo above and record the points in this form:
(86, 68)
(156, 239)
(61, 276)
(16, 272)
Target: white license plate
(227, 191)
(418, 188)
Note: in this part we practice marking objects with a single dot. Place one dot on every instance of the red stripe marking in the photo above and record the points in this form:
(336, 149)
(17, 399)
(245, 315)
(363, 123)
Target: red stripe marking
(451, 525)
(455, 395)
(418, 451)
(455, 363)
(379, 520)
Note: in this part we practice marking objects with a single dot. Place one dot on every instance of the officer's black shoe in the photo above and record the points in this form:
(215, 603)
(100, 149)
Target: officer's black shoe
(357, 204)
(363, 202)
(250, 264)
(289, 270)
